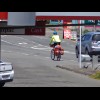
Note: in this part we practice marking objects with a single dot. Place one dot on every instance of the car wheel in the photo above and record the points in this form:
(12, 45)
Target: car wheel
(2, 84)
(86, 52)
(77, 53)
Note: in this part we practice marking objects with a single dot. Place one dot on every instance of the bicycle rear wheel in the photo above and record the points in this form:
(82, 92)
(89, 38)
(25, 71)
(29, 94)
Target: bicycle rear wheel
(59, 57)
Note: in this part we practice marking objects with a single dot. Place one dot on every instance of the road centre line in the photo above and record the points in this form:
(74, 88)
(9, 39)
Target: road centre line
(13, 51)
(24, 46)
(22, 43)
(33, 55)
(29, 40)
(12, 43)
(44, 49)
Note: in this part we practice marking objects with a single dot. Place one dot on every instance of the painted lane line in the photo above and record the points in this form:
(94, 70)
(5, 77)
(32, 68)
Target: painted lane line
(36, 55)
(33, 55)
(33, 47)
(23, 43)
(73, 61)
(13, 44)
(47, 57)
(69, 52)
(13, 52)
(6, 51)
(3, 36)
(39, 48)
(44, 49)
(30, 41)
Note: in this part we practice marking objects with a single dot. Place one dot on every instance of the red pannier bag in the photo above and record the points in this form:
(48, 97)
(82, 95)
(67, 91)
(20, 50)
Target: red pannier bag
(56, 51)
(62, 51)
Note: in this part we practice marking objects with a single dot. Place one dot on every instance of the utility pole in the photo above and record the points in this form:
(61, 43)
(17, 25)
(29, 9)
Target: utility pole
(95, 25)
(80, 63)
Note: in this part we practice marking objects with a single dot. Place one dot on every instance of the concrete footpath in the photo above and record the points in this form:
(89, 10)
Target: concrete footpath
(84, 70)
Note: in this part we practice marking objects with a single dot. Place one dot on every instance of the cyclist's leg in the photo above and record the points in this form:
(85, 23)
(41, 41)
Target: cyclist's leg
(55, 44)
(59, 43)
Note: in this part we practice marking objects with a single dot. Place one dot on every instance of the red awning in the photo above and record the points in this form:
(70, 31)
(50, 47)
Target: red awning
(3, 15)
(68, 17)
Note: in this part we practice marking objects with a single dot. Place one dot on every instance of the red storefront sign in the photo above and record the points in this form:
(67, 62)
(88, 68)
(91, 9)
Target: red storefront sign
(67, 34)
(36, 31)
(3, 15)
(67, 30)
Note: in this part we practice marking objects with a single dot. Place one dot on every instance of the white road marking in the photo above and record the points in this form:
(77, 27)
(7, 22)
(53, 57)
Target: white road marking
(44, 49)
(73, 61)
(47, 57)
(33, 55)
(14, 52)
(30, 41)
(34, 47)
(47, 48)
(6, 51)
(12, 43)
(3, 35)
(23, 43)
(36, 55)
(39, 48)
(69, 52)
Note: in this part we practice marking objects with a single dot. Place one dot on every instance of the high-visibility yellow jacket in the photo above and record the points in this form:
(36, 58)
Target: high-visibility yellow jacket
(55, 38)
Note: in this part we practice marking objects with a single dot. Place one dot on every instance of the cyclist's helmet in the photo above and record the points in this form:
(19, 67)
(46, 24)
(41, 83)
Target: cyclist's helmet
(55, 33)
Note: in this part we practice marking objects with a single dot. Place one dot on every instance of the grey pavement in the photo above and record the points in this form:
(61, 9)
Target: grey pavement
(88, 69)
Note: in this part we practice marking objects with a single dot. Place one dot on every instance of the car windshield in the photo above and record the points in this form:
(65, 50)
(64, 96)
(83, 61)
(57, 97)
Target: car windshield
(96, 37)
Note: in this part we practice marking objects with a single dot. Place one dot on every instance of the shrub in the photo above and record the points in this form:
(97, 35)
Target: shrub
(96, 75)
(85, 31)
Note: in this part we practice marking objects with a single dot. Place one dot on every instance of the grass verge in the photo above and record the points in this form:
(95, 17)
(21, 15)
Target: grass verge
(96, 75)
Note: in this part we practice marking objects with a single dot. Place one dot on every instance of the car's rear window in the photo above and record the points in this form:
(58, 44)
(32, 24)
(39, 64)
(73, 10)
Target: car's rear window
(96, 37)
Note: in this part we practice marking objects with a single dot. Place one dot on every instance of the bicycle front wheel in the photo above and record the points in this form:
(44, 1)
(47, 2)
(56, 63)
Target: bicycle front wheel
(52, 55)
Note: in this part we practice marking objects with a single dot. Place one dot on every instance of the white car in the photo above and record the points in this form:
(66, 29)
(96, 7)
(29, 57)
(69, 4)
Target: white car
(90, 44)
(6, 73)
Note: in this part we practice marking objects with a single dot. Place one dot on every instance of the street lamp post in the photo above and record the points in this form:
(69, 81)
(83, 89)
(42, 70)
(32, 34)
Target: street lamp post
(80, 63)
(95, 26)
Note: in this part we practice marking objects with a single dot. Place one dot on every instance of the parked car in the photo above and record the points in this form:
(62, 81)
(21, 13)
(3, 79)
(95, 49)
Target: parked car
(6, 73)
(90, 43)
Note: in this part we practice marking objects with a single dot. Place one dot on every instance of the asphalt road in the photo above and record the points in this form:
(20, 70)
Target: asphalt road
(30, 57)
